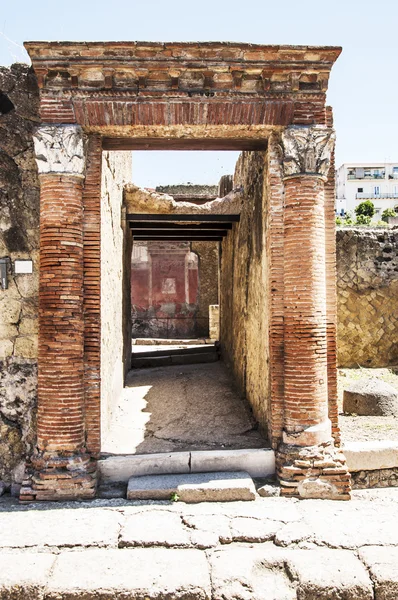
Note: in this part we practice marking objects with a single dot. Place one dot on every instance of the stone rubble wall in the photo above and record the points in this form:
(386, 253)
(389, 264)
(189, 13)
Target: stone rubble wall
(379, 478)
(19, 239)
(244, 305)
(367, 297)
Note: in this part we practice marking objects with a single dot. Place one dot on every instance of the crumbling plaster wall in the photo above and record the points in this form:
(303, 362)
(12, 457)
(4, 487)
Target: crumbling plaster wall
(115, 289)
(244, 288)
(367, 297)
(19, 239)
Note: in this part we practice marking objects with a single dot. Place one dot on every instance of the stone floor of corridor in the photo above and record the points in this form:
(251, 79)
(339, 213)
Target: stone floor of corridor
(267, 549)
(178, 408)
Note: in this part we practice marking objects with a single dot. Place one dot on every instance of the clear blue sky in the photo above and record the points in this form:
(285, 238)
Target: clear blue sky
(363, 88)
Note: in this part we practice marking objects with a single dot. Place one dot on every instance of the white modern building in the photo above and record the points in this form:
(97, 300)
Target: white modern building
(356, 182)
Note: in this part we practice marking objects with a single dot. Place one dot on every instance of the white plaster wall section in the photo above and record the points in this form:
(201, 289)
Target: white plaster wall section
(116, 171)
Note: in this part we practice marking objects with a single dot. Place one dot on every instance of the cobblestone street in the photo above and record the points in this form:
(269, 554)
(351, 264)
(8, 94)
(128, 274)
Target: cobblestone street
(272, 548)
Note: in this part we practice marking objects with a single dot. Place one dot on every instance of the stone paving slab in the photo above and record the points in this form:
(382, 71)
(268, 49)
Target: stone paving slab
(193, 487)
(328, 574)
(23, 576)
(382, 563)
(250, 574)
(156, 528)
(153, 574)
(358, 524)
(74, 527)
(269, 549)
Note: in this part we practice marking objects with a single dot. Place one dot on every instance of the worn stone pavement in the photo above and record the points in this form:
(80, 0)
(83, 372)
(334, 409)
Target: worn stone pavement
(268, 549)
(178, 408)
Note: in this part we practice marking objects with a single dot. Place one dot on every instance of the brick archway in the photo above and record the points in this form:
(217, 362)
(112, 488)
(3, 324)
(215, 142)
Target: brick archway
(114, 96)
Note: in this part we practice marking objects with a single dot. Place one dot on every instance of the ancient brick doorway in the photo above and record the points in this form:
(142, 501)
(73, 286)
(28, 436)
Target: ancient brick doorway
(113, 96)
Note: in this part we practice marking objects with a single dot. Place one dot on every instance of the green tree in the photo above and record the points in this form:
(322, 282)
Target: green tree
(388, 212)
(365, 209)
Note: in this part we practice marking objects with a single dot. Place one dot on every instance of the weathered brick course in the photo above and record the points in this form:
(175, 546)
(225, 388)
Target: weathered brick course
(61, 324)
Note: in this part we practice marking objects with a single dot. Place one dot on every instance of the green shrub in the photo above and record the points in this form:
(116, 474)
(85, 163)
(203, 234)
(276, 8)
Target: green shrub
(388, 212)
(363, 220)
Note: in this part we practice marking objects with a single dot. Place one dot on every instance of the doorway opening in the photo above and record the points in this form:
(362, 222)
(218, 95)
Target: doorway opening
(178, 391)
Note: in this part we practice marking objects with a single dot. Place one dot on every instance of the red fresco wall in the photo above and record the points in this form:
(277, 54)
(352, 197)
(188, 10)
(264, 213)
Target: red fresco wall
(164, 291)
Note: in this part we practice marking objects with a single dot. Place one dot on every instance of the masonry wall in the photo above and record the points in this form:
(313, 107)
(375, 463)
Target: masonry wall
(115, 290)
(208, 283)
(19, 239)
(243, 288)
(367, 297)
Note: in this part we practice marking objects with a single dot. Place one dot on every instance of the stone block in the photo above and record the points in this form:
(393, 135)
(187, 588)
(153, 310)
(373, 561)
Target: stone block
(250, 574)
(23, 576)
(214, 321)
(121, 468)
(7, 331)
(28, 326)
(26, 347)
(154, 528)
(62, 527)
(256, 462)
(371, 456)
(151, 573)
(10, 310)
(269, 491)
(382, 564)
(372, 397)
(328, 574)
(6, 348)
(194, 487)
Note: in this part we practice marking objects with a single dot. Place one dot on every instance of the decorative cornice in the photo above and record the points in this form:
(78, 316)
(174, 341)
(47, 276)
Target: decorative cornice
(307, 150)
(209, 68)
(60, 149)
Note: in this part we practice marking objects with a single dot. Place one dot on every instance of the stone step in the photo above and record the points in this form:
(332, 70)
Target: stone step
(193, 487)
(145, 362)
(258, 462)
(171, 341)
(205, 349)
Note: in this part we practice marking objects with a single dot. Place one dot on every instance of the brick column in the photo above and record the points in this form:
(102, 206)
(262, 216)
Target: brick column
(308, 464)
(61, 466)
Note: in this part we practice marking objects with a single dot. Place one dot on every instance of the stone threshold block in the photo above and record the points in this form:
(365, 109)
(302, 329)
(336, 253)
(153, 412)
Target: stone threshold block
(193, 487)
(371, 456)
(118, 469)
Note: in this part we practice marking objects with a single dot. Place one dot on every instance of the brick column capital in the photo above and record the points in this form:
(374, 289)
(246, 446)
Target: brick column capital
(307, 150)
(60, 150)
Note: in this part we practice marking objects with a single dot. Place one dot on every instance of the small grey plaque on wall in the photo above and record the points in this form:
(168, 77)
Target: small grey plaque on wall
(23, 266)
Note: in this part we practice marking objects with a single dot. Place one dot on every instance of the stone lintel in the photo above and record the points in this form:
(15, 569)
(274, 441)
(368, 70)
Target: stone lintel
(60, 150)
(306, 151)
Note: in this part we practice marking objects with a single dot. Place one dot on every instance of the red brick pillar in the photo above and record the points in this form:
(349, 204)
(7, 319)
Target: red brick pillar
(308, 464)
(61, 466)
